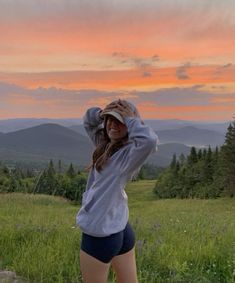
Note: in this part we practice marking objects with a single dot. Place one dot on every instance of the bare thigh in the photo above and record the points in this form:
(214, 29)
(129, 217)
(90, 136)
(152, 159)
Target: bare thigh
(93, 270)
(125, 267)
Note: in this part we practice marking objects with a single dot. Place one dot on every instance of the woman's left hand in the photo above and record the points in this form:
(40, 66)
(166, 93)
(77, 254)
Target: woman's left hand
(124, 109)
(121, 107)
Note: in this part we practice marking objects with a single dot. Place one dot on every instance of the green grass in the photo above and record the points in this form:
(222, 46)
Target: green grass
(177, 240)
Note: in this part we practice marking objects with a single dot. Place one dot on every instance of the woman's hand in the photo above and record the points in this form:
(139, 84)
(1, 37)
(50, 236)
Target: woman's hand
(109, 107)
(119, 106)
(124, 109)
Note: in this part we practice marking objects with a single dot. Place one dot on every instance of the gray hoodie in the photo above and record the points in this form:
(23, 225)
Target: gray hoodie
(104, 209)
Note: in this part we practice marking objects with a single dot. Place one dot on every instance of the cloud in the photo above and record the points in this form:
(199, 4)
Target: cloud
(7, 89)
(155, 58)
(227, 66)
(146, 74)
(175, 96)
(144, 64)
(55, 95)
(58, 102)
(119, 54)
(181, 72)
(136, 61)
(222, 69)
(166, 96)
(55, 32)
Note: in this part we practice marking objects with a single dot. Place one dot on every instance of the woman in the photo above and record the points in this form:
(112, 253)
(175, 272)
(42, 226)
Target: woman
(122, 143)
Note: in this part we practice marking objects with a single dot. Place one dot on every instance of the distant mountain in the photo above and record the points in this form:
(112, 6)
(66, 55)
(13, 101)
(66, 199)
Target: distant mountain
(79, 129)
(218, 127)
(44, 142)
(11, 125)
(165, 152)
(159, 125)
(52, 141)
(190, 135)
(169, 149)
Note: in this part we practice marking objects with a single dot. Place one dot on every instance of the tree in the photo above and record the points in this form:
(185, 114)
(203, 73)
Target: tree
(192, 158)
(71, 172)
(181, 159)
(59, 167)
(199, 154)
(208, 169)
(228, 161)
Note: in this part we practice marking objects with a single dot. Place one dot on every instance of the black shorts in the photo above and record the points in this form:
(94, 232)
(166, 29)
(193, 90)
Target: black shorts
(105, 248)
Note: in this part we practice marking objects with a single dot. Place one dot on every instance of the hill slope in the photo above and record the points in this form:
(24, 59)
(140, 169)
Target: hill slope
(191, 136)
(47, 141)
(52, 141)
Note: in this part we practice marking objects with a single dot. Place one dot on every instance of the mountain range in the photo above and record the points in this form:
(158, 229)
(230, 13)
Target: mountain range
(188, 135)
(70, 143)
(10, 125)
(44, 142)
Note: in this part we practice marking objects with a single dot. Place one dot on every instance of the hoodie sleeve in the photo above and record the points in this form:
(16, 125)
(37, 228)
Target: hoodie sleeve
(142, 143)
(93, 124)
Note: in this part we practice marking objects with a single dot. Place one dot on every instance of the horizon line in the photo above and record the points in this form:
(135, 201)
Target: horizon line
(81, 118)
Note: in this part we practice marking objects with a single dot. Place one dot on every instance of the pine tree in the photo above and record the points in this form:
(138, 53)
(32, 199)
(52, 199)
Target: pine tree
(59, 167)
(208, 167)
(173, 162)
(181, 159)
(51, 169)
(5, 171)
(51, 182)
(40, 184)
(47, 182)
(199, 154)
(216, 155)
(228, 161)
(204, 153)
(71, 172)
(192, 158)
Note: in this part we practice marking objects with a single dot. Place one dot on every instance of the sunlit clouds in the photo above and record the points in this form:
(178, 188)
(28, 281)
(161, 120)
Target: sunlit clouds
(174, 59)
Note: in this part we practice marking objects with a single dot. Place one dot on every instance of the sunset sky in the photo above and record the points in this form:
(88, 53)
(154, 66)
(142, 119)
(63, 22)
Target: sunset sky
(174, 59)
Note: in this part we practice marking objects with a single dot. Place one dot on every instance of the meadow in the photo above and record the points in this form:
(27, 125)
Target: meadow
(177, 240)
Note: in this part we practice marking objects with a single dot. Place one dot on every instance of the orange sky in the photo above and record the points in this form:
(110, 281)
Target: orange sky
(58, 59)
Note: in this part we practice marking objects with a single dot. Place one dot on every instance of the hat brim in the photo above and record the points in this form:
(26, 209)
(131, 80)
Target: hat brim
(115, 115)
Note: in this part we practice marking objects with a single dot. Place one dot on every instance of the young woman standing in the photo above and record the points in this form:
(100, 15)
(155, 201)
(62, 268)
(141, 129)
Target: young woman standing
(122, 143)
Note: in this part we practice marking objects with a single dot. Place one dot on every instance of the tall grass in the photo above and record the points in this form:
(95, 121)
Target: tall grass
(176, 240)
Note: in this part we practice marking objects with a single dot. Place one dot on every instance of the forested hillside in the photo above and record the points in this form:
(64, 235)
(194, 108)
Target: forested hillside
(204, 173)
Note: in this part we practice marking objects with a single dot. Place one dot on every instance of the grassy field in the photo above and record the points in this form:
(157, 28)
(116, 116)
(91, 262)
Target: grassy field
(177, 240)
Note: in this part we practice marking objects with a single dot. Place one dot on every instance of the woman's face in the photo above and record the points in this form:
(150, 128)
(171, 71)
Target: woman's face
(115, 129)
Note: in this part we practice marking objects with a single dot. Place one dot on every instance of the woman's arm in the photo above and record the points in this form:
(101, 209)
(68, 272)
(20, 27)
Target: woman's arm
(143, 142)
(93, 124)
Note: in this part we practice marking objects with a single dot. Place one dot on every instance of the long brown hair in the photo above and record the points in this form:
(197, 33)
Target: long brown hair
(105, 148)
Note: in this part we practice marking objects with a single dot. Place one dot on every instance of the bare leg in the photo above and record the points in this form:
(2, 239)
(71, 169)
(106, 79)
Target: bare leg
(93, 270)
(125, 267)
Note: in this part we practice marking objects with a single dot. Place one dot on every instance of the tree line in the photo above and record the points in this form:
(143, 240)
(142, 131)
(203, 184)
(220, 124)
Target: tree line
(205, 173)
(69, 184)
